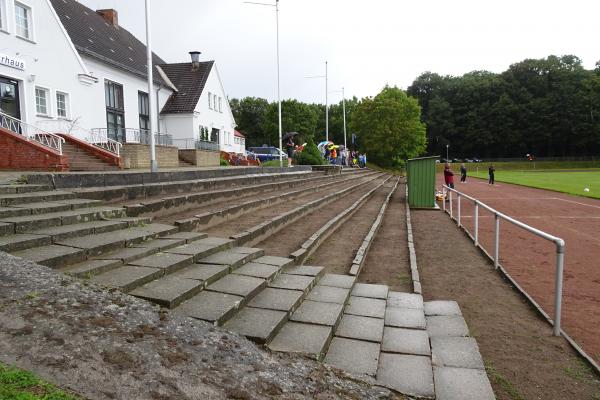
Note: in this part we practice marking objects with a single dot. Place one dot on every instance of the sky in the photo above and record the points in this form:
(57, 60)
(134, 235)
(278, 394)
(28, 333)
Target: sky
(367, 44)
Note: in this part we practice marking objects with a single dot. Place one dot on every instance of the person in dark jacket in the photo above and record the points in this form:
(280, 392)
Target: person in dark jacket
(463, 173)
(448, 176)
(491, 171)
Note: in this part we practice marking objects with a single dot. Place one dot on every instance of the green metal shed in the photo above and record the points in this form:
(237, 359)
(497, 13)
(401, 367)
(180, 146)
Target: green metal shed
(421, 182)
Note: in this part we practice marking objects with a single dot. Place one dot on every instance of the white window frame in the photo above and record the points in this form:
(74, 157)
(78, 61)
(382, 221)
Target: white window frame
(47, 92)
(3, 16)
(210, 100)
(67, 105)
(30, 33)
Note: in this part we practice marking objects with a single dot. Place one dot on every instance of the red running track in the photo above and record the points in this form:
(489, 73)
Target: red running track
(531, 261)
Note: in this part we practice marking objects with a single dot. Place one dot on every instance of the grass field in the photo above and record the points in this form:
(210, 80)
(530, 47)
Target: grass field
(572, 182)
(525, 165)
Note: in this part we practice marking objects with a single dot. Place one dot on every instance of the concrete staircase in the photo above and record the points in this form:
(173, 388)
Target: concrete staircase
(81, 160)
(390, 338)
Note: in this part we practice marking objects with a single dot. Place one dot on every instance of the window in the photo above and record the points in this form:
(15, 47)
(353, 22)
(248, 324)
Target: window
(210, 100)
(215, 102)
(41, 101)
(3, 21)
(62, 104)
(23, 20)
(115, 111)
(144, 111)
(220, 105)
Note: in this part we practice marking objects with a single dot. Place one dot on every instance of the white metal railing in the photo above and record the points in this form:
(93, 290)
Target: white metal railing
(98, 139)
(32, 132)
(559, 243)
(191, 143)
(134, 135)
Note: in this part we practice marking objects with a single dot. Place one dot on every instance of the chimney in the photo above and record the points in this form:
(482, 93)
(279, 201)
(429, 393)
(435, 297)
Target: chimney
(110, 15)
(195, 60)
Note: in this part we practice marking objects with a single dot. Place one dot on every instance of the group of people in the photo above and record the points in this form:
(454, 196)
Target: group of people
(449, 175)
(341, 155)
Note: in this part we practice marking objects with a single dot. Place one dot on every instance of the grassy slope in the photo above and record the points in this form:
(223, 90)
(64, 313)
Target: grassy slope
(16, 384)
(561, 181)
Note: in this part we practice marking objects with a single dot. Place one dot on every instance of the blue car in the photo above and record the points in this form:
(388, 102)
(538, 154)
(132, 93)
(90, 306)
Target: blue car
(267, 153)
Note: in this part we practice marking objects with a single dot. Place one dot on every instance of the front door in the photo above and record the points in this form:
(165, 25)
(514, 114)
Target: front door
(9, 97)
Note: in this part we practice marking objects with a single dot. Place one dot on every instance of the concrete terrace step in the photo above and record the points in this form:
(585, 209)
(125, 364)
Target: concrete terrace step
(35, 197)
(139, 274)
(29, 223)
(311, 325)
(46, 207)
(12, 189)
(111, 260)
(74, 250)
(229, 287)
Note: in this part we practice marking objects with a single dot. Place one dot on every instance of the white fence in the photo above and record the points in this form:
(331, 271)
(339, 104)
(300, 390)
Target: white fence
(498, 216)
(32, 132)
(98, 139)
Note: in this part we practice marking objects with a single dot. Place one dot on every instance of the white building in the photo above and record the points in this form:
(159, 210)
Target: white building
(63, 64)
(198, 109)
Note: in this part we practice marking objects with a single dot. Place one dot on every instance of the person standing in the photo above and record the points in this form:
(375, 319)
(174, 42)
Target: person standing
(463, 173)
(290, 149)
(448, 176)
(491, 171)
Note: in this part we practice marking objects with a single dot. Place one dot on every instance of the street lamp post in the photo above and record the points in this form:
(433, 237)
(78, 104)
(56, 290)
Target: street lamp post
(447, 146)
(344, 111)
(276, 5)
(151, 100)
(326, 100)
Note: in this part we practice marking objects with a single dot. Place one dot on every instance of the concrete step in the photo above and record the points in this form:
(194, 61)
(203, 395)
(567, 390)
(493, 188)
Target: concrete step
(59, 233)
(29, 223)
(35, 197)
(96, 245)
(234, 257)
(54, 255)
(23, 241)
(12, 189)
(106, 262)
(310, 327)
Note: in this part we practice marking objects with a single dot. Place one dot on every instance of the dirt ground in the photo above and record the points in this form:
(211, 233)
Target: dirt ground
(338, 250)
(532, 260)
(387, 260)
(523, 359)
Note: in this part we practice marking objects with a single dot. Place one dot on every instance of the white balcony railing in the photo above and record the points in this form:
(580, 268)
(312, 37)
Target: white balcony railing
(31, 132)
(98, 139)
(134, 135)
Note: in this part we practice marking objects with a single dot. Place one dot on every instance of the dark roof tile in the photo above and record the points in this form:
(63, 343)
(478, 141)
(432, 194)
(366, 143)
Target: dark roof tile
(190, 84)
(94, 37)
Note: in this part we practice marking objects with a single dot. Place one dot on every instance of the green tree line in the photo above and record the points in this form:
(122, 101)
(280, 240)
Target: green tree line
(387, 127)
(547, 107)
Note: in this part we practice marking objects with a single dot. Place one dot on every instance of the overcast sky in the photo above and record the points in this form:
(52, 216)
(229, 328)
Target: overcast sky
(368, 44)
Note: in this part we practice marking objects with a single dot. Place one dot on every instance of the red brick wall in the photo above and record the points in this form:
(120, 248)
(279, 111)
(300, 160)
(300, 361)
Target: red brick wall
(17, 153)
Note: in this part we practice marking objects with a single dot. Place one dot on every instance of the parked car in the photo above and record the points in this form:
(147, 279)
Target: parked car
(267, 153)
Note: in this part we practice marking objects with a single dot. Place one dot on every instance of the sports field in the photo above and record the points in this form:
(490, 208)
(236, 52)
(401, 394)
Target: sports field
(571, 182)
(531, 260)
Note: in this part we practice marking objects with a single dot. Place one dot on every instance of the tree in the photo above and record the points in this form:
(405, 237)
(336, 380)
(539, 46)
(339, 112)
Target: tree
(249, 114)
(389, 127)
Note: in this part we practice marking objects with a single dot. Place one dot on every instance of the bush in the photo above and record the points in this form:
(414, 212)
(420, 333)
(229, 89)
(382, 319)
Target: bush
(310, 155)
(224, 163)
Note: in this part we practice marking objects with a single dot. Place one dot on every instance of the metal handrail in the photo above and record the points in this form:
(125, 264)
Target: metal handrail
(559, 243)
(135, 135)
(31, 132)
(191, 143)
(97, 139)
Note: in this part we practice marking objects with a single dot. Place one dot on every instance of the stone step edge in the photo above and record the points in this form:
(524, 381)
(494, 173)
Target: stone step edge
(136, 190)
(412, 254)
(190, 200)
(99, 215)
(314, 241)
(363, 250)
(321, 356)
(104, 269)
(211, 218)
(256, 233)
